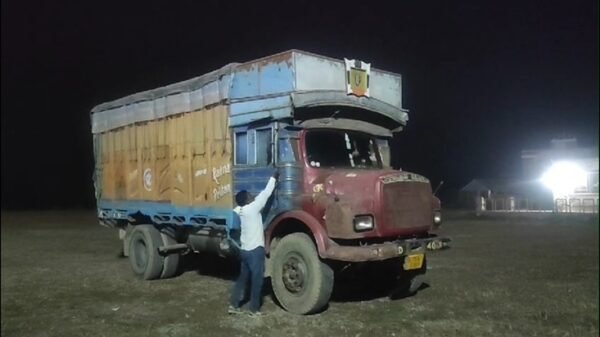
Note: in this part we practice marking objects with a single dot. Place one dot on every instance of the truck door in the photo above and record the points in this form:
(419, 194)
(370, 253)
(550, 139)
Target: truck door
(253, 158)
(253, 147)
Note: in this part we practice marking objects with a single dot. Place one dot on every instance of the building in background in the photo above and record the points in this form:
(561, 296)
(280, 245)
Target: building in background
(505, 195)
(561, 178)
(569, 171)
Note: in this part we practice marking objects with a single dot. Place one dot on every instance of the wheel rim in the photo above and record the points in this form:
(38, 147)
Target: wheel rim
(141, 256)
(294, 274)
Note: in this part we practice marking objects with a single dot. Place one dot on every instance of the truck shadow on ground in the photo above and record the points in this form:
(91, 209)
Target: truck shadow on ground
(358, 292)
(343, 291)
(210, 265)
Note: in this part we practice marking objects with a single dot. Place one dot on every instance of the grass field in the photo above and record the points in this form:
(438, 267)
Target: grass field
(502, 277)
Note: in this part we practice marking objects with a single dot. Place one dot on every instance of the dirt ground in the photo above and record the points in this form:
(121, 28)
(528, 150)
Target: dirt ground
(61, 276)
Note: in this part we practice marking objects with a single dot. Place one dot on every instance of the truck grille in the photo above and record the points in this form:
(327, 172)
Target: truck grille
(407, 205)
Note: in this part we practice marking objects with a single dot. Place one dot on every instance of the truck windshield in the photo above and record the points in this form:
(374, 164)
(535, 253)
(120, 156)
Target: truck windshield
(338, 148)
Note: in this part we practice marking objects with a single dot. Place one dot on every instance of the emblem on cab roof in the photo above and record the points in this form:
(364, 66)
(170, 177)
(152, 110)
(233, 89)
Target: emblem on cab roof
(358, 75)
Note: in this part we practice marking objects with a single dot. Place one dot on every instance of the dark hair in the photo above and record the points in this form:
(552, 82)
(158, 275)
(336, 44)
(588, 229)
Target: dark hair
(241, 198)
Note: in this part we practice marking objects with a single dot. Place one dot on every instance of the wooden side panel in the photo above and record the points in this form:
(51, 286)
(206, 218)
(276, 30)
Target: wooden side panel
(181, 178)
(120, 164)
(184, 160)
(148, 148)
(140, 153)
(223, 154)
(162, 163)
(200, 165)
(132, 168)
(211, 162)
(107, 166)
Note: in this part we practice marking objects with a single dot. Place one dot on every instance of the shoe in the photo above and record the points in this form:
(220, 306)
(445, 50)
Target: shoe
(255, 314)
(233, 310)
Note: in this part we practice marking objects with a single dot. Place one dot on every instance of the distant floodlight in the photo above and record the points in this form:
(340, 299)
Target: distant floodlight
(564, 177)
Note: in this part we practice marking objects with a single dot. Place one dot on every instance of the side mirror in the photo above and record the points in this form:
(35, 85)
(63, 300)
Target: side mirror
(438, 187)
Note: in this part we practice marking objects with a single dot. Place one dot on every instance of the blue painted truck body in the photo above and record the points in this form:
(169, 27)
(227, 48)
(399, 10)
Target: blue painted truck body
(264, 93)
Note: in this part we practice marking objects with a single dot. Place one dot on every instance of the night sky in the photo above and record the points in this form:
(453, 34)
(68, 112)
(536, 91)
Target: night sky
(482, 79)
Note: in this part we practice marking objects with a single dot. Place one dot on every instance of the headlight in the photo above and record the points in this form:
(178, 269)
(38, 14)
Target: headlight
(363, 223)
(437, 217)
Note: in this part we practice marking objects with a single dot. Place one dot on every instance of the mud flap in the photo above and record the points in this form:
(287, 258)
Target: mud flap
(125, 236)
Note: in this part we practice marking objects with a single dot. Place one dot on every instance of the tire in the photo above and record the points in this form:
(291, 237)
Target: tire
(302, 283)
(409, 282)
(171, 261)
(144, 259)
(413, 284)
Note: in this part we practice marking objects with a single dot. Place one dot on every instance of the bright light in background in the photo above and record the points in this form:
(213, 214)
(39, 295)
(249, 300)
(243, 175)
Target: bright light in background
(564, 177)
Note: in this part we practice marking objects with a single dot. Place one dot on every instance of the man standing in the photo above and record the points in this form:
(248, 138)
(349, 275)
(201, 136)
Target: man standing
(252, 253)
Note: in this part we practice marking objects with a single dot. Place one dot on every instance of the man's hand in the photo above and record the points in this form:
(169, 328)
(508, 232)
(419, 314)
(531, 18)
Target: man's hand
(276, 174)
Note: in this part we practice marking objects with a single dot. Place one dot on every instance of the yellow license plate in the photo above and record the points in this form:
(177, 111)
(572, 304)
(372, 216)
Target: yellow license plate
(412, 262)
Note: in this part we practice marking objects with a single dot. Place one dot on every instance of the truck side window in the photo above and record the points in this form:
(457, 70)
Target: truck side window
(287, 151)
(384, 151)
(264, 148)
(241, 148)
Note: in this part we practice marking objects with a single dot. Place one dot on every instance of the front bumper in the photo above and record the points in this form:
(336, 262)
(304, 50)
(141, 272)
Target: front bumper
(383, 251)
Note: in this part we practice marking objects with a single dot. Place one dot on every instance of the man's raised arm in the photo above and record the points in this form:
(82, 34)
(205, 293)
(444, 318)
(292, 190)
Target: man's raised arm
(261, 199)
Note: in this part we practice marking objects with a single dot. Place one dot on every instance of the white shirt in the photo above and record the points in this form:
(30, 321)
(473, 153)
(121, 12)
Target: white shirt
(251, 220)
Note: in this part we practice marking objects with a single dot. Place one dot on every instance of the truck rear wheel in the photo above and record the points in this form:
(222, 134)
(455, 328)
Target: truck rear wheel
(143, 252)
(171, 261)
(302, 283)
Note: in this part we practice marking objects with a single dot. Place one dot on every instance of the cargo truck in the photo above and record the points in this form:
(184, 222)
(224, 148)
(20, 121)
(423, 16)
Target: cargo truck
(169, 161)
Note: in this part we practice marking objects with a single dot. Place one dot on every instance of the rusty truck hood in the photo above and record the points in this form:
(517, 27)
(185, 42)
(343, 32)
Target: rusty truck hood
(399, 201)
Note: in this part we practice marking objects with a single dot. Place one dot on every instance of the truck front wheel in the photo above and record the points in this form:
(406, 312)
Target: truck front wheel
(143, 252)
(302, 283)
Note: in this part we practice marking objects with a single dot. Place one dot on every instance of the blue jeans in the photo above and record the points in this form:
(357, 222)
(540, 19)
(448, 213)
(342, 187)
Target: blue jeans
(252, 269)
